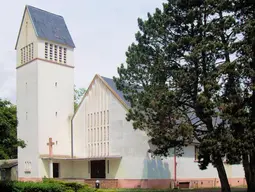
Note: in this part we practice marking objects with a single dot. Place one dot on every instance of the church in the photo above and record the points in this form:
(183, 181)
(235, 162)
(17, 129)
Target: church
(96, 141)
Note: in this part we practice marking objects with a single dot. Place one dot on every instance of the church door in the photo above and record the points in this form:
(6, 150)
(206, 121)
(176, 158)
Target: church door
(98, 169)
(55, 170)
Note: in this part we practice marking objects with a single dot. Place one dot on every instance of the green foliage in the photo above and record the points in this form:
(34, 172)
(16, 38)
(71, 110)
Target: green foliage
(190, 76)
(78, 94)
(69, 185)
(8, 131)
(45, 186)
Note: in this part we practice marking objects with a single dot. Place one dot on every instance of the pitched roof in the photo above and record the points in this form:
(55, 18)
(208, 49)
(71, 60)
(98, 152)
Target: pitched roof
(50, 26)
(112, 84)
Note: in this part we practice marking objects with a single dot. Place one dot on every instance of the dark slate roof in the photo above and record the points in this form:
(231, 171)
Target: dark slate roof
(50, 26)
(112, 84)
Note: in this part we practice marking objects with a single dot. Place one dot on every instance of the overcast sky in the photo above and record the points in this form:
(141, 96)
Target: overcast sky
(101, 30)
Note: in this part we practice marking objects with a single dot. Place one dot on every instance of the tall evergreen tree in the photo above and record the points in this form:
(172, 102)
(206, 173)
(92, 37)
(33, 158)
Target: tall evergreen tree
(172, 78)
(239, 92)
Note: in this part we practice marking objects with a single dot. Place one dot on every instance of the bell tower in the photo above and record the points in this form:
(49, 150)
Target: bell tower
(45, 91)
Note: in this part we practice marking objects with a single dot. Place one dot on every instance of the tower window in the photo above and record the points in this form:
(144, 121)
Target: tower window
(56, 53)
(32, 51)
(56, 84)
(46, 50)
(26, 53)
(29, 52)
(60, 55)
(21, 56)
(26, 48)
(51, 51)
(65, 55)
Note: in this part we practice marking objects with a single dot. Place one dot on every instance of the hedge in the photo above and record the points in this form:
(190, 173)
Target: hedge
(45, 186)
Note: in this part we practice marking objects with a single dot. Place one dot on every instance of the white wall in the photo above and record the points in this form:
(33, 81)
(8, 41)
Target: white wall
(188, 168)
(27, 114)
(79, 132)
(133, 146)
(55, 107)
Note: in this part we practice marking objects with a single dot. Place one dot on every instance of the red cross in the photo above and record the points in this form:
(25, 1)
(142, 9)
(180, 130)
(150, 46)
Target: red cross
(50, 146)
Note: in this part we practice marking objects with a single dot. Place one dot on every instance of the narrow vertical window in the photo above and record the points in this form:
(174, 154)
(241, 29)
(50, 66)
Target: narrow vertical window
(98, 119)
(108, 133)
(91, 122)
(107, 116)
(26, 115)
(107, 148)
(46, 50)
(97, 149)
(101, 134)
(104, 134)
(98, 134)
(56, 53)
(32, 50)
(91, 135)
(60, 55)
(26, 53)
(104, 117)
(102, 150)
(29, 52)
(21, 56)
(51, 51)
(95, 119)
(101, 117)
(95, 134)
(65, 55)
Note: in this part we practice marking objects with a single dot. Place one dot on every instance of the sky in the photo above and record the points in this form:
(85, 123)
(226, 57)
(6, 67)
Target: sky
(101, 30)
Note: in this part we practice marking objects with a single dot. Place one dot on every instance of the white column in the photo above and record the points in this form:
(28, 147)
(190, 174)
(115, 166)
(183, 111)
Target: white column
(50, 168)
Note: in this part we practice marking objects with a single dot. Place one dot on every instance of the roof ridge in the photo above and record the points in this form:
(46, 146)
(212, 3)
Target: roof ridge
(43, 10)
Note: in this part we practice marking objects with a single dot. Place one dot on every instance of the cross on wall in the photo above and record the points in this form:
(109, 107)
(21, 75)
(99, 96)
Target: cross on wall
(50, 144)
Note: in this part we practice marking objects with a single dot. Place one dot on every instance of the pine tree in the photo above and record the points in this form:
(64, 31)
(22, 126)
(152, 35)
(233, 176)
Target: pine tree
(172, 78)
(239, 92)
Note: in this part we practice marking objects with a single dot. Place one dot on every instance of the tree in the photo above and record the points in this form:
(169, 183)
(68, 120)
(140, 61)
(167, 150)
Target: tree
(173, 78)
(9, 142)
(239, 94)
(78, 94)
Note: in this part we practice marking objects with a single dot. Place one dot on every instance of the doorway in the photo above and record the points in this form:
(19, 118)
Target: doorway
(98, 169)
(55, 170)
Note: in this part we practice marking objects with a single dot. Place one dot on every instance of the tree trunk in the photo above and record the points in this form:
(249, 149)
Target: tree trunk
(225, 187)
(249, 170)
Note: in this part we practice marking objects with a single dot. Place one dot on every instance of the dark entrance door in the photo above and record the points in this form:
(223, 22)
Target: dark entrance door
(98, 169)
(55, 170)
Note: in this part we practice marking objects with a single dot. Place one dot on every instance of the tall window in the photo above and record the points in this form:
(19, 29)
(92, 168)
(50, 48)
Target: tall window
(21, 56)
(46, 50)
(65, 55)
(32, 51)
(60, 55)
(56, 53)
(51, 51)
(26, 53)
